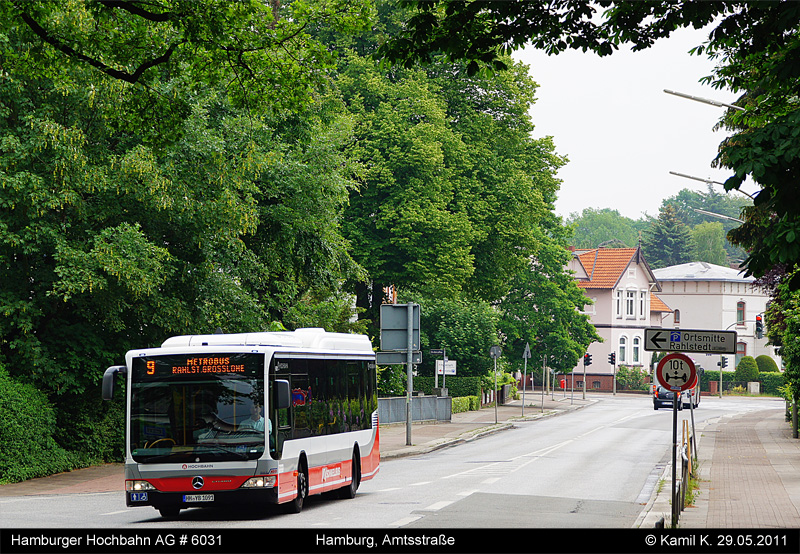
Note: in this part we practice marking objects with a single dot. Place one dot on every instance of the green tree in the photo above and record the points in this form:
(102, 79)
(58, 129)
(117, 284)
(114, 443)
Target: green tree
(756, 44)
(687, 201)
(453, 188)
(158, 190)
(668, 241)
(402, 222)
(543, 309)
(261, 53)
(709, 243)
(506, 182)
(594, 227)
(467, 329)
(747, 370)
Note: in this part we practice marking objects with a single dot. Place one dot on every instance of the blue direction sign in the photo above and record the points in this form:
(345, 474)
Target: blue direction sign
(702, 341)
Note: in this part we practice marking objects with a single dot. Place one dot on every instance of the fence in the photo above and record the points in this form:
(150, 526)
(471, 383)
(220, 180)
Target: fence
(687, 454)
(423, 408)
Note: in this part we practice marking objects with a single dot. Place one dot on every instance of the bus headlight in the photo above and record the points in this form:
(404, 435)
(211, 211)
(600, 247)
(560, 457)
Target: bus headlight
(138, 485)
(261, 481)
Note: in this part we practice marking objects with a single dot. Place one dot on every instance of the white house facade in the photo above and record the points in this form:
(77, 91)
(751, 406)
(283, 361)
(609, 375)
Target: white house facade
(707, 296)
(623, 289)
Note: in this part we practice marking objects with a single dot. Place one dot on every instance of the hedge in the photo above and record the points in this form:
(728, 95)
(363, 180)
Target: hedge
(747, 370)
(465, 404)
(770, 382)
(456, 386)
(27, 429)
(766, 364)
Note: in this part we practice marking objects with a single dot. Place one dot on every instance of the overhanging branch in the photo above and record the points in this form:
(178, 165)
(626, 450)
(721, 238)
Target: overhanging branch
(110, 71)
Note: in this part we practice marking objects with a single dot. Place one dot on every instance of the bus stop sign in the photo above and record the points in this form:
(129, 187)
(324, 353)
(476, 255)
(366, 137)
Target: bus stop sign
(676, 372)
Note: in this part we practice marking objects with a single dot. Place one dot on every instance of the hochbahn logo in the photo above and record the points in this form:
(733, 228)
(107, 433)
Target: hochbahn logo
(197, 466)
(328, 473)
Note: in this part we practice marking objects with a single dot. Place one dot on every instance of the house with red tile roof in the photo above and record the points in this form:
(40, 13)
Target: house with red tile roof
(624, 291)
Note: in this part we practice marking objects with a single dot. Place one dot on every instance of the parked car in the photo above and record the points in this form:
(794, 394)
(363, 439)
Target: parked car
(663, 398)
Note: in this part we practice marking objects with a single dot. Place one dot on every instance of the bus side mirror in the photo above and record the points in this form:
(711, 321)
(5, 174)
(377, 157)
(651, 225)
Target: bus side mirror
(109, 380)
(282, 394)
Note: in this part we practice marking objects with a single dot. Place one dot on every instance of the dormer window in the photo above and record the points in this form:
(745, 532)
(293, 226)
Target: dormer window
(630, 303)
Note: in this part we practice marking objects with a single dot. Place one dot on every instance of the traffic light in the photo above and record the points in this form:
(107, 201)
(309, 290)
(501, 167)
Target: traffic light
(587, 359)
(612, 358)
(759, 327)
(724, 362)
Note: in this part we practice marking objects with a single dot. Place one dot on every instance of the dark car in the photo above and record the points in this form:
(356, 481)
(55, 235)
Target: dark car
(663, 398)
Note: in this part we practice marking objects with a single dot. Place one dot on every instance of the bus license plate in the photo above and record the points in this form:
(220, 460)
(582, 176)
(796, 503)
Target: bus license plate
(198, 498)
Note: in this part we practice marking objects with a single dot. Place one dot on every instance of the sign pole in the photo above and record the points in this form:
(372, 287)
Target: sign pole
(495, 352)
(584, 378)
(495, 391)
(525, 355)
(409, 370)
(675, 500)
(676, 373)
(444, 367)
(544, 370)
(572, 389)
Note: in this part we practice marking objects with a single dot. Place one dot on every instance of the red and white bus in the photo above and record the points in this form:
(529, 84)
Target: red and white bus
(253, 417)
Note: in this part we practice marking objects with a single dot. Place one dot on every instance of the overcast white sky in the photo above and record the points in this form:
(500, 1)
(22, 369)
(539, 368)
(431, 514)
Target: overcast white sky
(621, 132)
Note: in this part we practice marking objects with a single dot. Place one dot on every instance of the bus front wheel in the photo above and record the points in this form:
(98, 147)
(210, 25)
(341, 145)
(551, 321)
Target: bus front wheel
(296, 505)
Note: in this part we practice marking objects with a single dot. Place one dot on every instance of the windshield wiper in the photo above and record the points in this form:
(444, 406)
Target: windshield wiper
(241, 455)
(199, 449)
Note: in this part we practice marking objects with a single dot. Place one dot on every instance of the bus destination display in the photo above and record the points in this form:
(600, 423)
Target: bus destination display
(192, 365)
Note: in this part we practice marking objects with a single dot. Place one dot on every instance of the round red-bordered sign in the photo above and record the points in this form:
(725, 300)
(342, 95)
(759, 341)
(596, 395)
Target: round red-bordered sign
(676, 372)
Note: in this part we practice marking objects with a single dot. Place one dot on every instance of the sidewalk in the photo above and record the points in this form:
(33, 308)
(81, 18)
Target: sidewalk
(748, 476)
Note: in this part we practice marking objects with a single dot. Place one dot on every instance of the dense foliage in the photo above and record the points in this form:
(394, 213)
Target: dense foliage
(176, 167)
(668, 241)
(708, 242)
(756, 45)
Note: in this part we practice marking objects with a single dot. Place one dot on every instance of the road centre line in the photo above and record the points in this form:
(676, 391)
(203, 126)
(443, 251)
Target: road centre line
(404, 521)
(502, 468)
(438, 505)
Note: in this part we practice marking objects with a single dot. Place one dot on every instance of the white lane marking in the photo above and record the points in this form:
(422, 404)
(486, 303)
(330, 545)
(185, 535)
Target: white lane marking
(420, 483)
(438, 505)
(390, 489)
(404, 521)
(115, 513)
(511, 465)
(490, 481)
(467, 493)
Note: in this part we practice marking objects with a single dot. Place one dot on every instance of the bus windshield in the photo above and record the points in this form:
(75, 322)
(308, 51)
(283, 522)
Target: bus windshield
(198, 408)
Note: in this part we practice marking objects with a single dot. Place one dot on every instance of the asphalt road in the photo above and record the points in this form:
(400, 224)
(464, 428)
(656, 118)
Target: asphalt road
(591, 468)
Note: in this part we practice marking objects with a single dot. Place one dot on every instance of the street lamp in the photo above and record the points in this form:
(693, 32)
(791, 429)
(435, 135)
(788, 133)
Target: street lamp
(705, 100)
(708, 182)
(720, 216)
